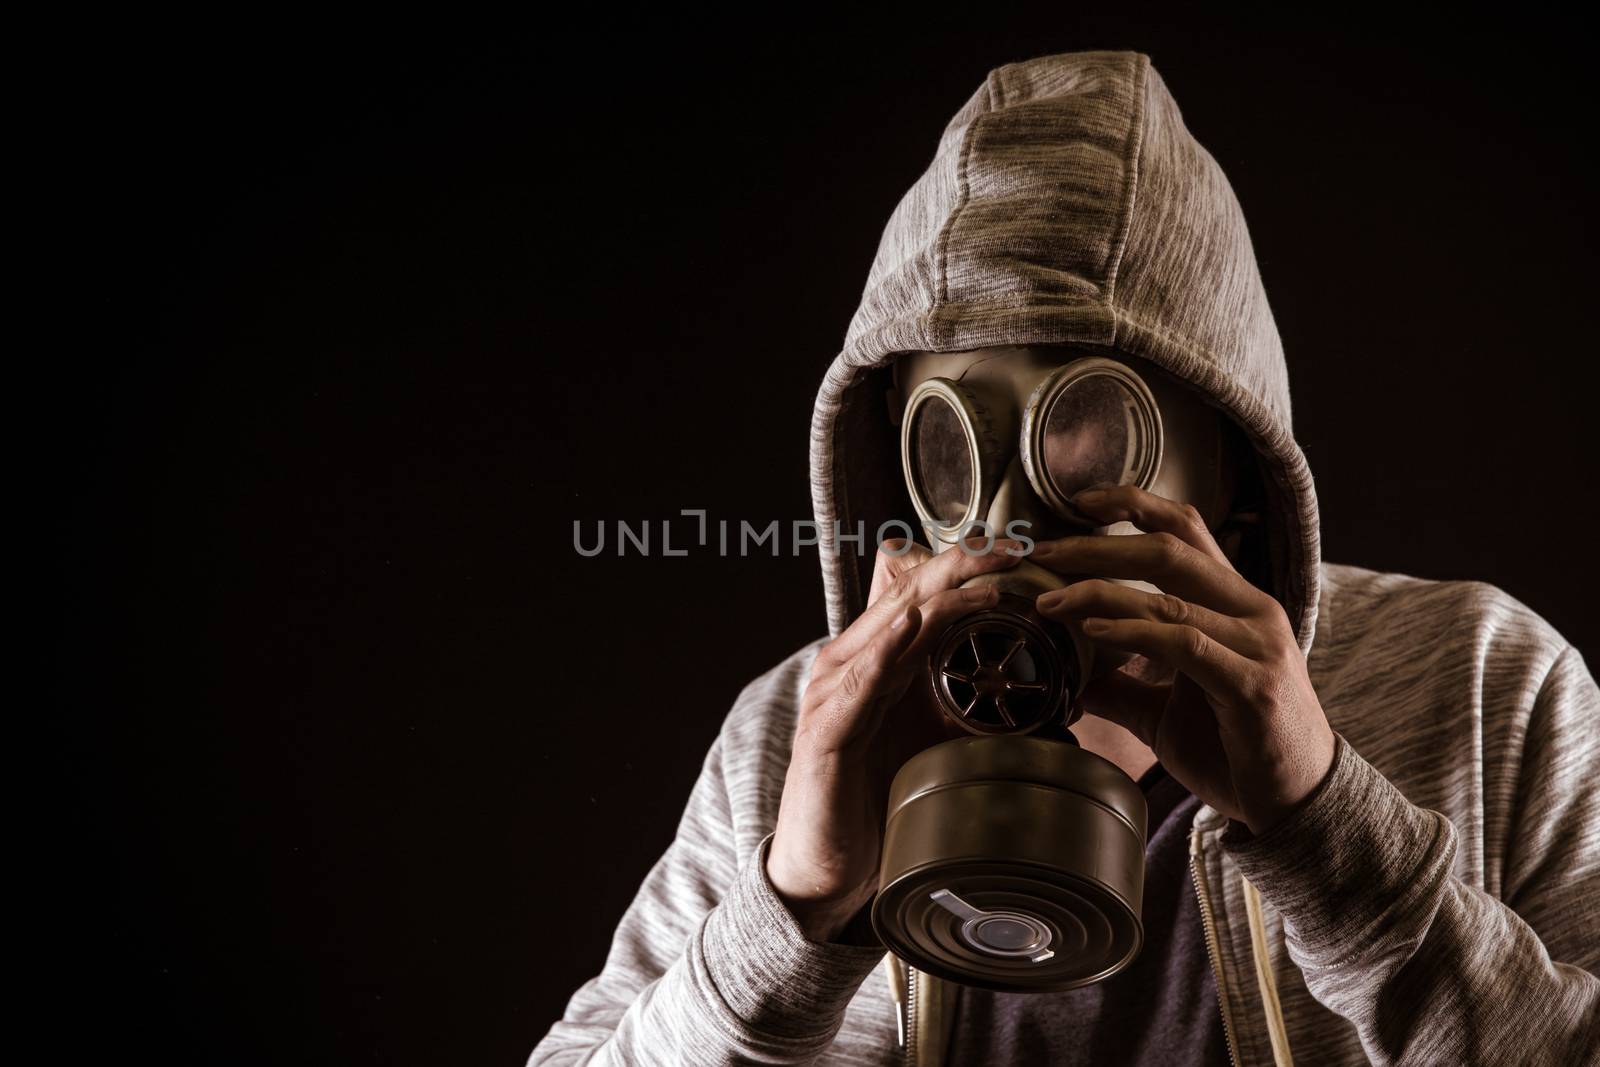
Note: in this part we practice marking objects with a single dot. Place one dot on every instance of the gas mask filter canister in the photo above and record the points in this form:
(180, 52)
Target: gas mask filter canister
(1013, 859)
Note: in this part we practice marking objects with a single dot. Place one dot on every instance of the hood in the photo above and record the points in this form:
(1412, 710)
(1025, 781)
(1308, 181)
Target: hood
(1066, 202)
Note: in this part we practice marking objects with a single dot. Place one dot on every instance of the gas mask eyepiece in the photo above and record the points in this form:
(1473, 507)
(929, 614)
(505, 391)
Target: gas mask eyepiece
(1091, 421)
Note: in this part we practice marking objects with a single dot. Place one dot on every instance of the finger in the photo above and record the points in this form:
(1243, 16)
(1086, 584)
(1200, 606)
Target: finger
(1188, 738)
(1233, 682)
(896, 555)
(938, 612)
(943, 608)
(946, 570)
(1162, 559)
(1152, 514)
(1135, 706)
(848, 715)
(1098, 597)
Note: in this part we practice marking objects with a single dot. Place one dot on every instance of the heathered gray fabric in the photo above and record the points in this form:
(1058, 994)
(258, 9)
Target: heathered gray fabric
(1436, 901)
(1441, 891)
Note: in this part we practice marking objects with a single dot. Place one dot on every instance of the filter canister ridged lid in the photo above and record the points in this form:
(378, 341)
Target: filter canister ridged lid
(1013, 863)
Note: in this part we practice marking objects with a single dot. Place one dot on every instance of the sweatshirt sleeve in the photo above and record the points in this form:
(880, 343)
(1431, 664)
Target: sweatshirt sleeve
(1428, 968)
(708, 966)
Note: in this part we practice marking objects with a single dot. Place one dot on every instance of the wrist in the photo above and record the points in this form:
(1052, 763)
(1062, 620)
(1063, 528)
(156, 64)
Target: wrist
(1358, 854)
(824, 925)
(1313, 773)
(823, 917)
(765, 977)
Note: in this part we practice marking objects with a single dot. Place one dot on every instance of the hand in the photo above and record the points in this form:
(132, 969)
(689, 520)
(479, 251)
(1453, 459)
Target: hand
(1240, 724)
(862, 716)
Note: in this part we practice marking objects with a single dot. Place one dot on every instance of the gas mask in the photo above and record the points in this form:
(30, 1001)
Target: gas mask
(1013, 859)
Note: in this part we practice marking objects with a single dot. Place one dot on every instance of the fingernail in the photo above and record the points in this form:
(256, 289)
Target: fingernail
(1091, 497)
(978, 594)
(1094, 626)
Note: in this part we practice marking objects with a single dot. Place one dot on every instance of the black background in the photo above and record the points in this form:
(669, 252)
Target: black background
(365, 760)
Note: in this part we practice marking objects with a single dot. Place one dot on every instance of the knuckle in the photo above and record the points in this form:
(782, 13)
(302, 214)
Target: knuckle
(886, 568)
(1195, 643)
(977, 592)
(1169, 549)
(892, 563)
(1282, 655)
(1172, 609)
(1267, 607)
(1088, 594)
(852, 684)
(1191, 518)
(1263, 691)
(1096, 588)
(1275, 620)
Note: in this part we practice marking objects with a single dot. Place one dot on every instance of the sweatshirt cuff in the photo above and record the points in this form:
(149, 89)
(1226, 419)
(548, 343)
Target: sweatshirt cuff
(768, 973)
(1352, 851)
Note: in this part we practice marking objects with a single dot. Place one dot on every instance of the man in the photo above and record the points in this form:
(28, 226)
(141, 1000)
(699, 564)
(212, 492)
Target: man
(1385, 786)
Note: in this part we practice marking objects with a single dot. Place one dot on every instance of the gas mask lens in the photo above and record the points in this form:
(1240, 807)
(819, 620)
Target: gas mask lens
(943, 468)
(1091, 421)
(1091, 425)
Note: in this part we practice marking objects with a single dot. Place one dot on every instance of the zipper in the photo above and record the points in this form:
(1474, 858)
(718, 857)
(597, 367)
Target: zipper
(1211, 942)
(911, 1016)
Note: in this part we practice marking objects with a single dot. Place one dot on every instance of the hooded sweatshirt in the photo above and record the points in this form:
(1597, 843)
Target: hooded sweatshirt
(1436, 899)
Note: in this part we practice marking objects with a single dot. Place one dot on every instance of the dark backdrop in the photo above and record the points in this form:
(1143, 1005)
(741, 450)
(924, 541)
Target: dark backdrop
(366, 761)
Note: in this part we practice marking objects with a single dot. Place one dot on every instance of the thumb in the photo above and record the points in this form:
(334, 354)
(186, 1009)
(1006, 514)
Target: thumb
(1133, 705)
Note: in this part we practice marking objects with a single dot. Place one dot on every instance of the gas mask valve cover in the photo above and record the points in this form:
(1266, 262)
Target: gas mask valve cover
(1000, 671)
